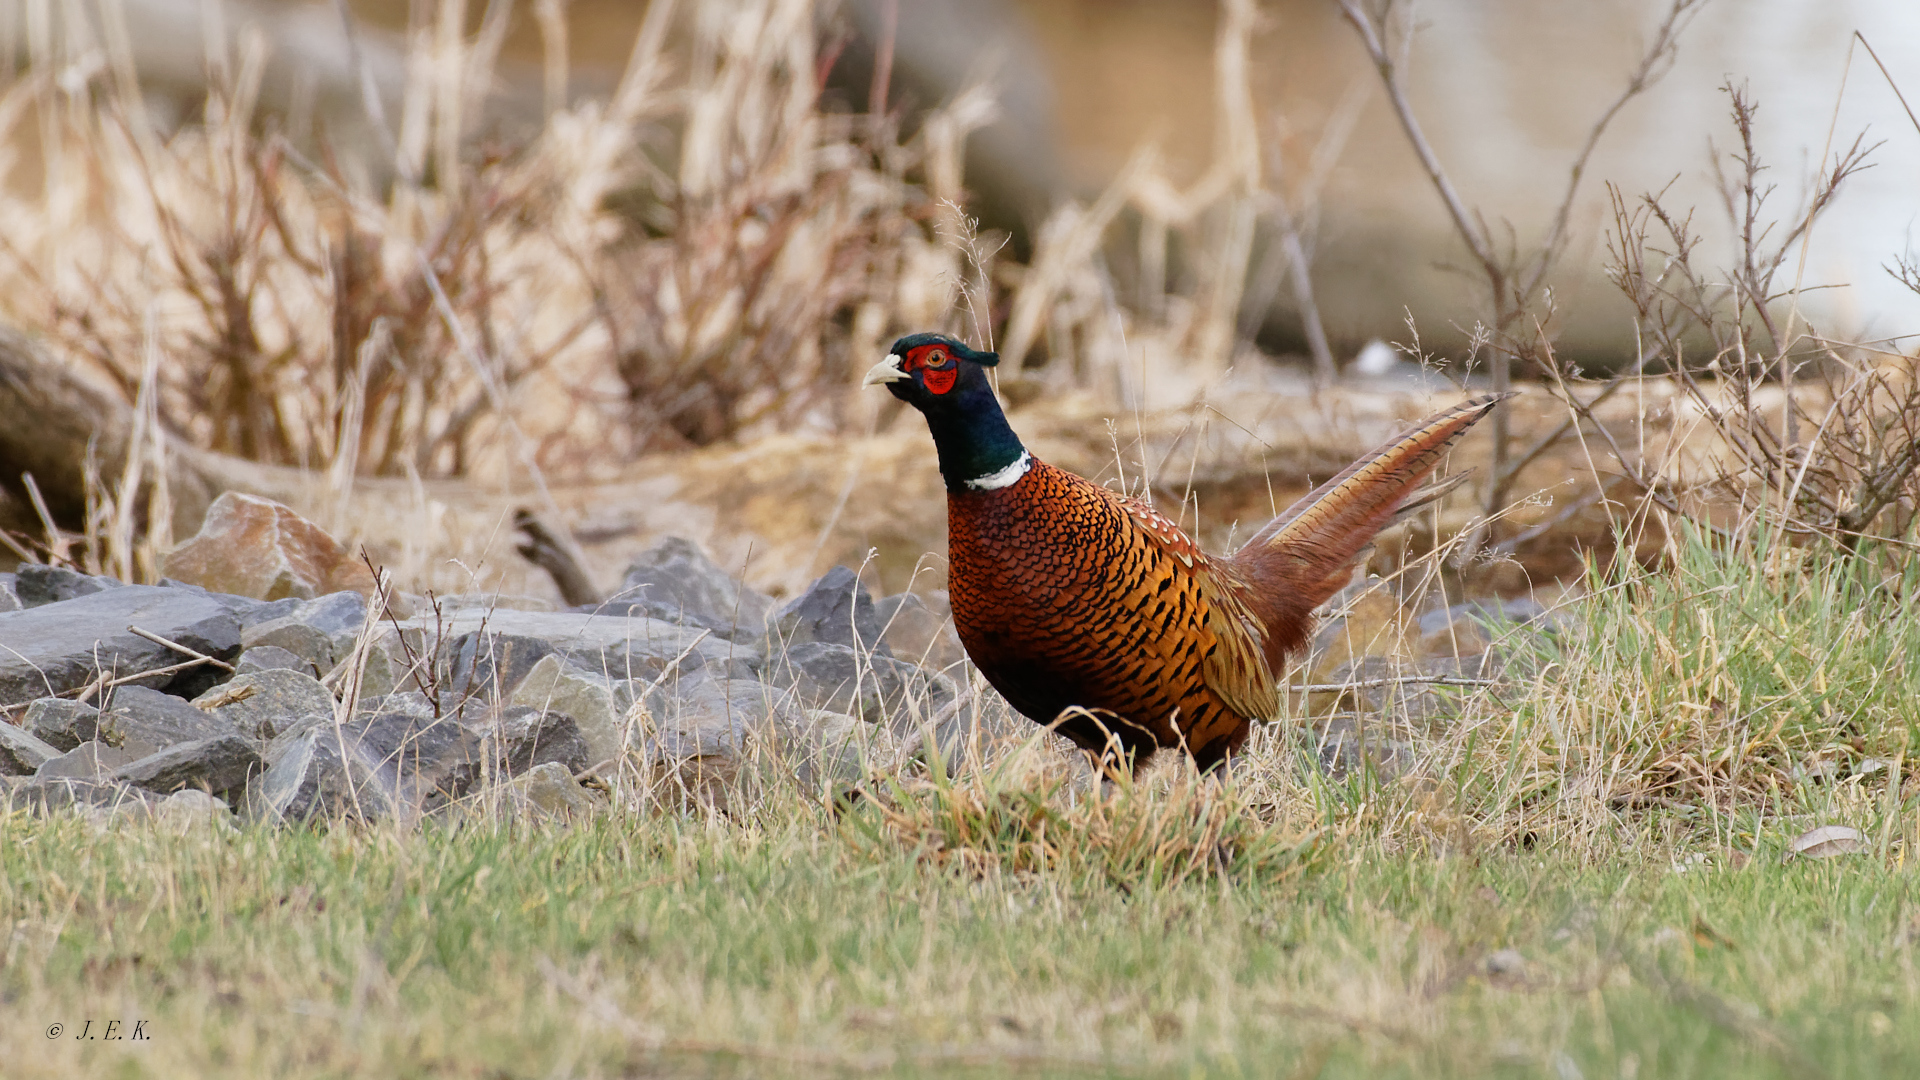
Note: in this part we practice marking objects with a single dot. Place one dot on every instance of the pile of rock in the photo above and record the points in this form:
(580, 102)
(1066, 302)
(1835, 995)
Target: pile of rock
(174, 699)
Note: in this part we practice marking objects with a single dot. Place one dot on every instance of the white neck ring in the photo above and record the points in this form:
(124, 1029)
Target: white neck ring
(1006, 477)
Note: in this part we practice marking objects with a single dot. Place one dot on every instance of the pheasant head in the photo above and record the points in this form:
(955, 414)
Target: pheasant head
(947, 382)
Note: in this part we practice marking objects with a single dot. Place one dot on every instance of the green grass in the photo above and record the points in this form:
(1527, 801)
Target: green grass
(1722, 696)
(679, 946)
(1583, 877)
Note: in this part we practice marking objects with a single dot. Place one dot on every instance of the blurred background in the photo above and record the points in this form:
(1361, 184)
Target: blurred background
(515, 243)
(1507, 91)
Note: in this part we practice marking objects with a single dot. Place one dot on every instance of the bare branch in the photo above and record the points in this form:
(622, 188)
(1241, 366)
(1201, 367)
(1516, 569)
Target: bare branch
(1655, 62)
(1372, 32)
(1513, 283)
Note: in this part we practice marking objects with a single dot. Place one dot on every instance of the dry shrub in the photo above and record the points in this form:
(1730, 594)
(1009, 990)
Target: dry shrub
(706, 254)
(783, 226)
(1819, 435)
(559, 304)
(299, 318)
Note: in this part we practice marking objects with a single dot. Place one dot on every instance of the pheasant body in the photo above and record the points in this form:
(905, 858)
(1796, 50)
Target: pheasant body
(1119, 626)
(1092, 612)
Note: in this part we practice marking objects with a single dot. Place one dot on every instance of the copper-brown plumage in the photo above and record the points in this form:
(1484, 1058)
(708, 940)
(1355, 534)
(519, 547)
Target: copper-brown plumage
(1093, 611)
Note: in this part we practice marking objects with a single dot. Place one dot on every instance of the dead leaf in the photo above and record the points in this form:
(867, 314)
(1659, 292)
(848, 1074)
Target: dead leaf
(1827, 841)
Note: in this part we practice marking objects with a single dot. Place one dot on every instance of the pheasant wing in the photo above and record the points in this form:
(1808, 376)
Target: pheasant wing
(1234, 663)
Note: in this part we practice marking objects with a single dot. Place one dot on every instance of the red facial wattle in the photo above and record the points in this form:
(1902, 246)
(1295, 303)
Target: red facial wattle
(938, 371)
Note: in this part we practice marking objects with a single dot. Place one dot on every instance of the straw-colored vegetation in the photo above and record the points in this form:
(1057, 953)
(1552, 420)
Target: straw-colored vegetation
(704, 255)
(1578, 870)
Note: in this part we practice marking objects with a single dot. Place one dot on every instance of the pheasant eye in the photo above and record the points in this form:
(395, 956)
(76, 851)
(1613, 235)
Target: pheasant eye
(938, 371)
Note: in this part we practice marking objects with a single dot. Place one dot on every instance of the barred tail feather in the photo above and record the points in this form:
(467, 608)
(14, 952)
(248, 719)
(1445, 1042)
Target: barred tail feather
(1302, 557)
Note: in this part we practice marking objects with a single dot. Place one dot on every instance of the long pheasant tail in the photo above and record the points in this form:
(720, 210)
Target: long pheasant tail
(1303, 555)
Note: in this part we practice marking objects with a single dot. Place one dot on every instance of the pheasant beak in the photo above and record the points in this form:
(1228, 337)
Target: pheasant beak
(885, 371)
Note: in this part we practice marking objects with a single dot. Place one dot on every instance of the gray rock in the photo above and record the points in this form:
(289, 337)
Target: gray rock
(62, 724)
(191, 809)
(9, 599)
(341, 616)
(269, 610)
(831, 749)
(557, 686)
(493, 602)
(388, 667)
(399, 760)
(836, 610)
(1373, 690)
(410, 702)
(550, 792)
(948, 731)
(878, 690)
(261, 705)
(700, 736)
(37, 585)
(390, 763)
(45, 794)
(1348, 741)
(913, 631)
(88, 761)
(322, 629)
(1474, 626)
(671, 614)
(241, 606)
(485, 664)
(48, 650)
(147, 721)
(619, 648)
(223, 763)
(1487, 665)
(20, 753)
(675, 582)
(521, 738)
(308, 643)
(703, 721)
(272, 658)
(1506, 963)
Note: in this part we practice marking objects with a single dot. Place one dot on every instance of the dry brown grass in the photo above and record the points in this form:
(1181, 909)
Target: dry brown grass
(694, 259)
(706, 255)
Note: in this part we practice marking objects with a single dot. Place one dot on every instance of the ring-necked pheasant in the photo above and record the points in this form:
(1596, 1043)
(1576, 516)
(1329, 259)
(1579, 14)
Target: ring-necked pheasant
(1067, 594)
